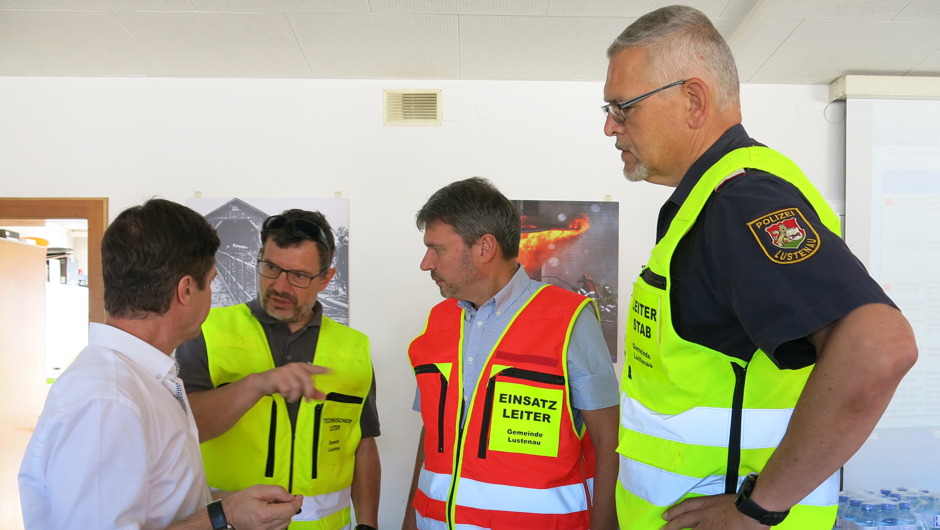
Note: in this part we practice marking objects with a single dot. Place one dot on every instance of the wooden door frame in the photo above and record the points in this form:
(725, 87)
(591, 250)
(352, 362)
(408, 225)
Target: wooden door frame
(94, 209)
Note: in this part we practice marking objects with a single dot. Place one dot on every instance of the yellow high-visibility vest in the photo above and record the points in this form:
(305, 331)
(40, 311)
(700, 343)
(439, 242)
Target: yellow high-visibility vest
(317, 458)
(686, 414)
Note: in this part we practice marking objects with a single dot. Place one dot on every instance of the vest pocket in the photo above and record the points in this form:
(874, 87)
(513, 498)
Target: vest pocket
(334, 421)
(528, 418)
(442, 400)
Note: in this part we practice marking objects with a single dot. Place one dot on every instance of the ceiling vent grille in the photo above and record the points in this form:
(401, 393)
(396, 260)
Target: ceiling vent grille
(412, 107)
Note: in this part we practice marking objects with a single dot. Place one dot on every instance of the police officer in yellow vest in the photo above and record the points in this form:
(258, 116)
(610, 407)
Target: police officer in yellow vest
(760, 354)
(263, 417)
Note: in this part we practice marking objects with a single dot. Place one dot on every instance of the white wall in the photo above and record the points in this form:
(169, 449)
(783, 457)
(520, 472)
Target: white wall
(130, 139)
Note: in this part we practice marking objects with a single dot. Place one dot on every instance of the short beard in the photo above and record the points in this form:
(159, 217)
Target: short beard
(640, 172)
(298, 313)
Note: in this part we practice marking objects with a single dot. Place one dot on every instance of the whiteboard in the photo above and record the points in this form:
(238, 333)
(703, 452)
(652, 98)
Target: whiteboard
(893, 226)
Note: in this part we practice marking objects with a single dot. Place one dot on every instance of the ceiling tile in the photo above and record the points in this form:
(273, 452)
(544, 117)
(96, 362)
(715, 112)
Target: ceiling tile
(219, 44)
(819, 51)
(835, 9)
(620, 8)
(76, 43)
(930, 66)
(379, 46)
(284, 6)
(923, 10)
(737, 8)
(760, 43)
(726, 26)
(140, 5)
(560, 48)
(461, 7)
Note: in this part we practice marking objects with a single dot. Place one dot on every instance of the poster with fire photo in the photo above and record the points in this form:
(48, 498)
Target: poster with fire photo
(575, 245)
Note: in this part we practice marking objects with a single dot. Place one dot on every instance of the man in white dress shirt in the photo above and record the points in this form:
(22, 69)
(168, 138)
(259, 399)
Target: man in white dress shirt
(116, 445)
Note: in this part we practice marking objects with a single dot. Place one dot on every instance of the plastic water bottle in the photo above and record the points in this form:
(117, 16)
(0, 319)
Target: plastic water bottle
(848, 518)
(906, 519)
(843, 505)
(866, 518)
(886, 518)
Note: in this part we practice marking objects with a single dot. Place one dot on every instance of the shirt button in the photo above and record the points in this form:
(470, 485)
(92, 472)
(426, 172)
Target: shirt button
(479, 322)
(288, 357)
(470, 359)
(159, 376)
(499, 313)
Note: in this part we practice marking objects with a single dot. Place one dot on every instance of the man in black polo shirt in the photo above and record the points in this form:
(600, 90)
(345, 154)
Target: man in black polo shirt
(756, 342)
(250, 373)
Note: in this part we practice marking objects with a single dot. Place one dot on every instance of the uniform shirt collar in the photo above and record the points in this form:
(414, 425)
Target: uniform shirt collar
(505, 297)
(734, 138)
(262, 316)
(136, 350)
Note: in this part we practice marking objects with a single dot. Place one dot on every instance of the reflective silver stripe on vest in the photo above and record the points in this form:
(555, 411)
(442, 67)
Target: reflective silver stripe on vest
(317, 507)
(710, 426)
(435, 485)
(663, 488)
(500, 497)
(485, 496)
(434, 524)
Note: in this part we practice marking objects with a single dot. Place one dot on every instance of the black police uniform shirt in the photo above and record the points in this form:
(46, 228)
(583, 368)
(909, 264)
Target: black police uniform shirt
(730, 294)
(286, 347)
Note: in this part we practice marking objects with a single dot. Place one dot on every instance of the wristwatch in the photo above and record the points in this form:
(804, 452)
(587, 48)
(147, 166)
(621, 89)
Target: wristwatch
(365, 527)
(217, 516)
(751, 509)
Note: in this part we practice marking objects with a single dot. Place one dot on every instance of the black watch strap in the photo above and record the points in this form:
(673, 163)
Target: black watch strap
(365, 527)
(764, 517)
(217, 516)
(753, 510)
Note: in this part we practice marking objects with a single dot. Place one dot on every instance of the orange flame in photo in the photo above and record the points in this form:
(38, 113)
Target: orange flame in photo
(536, 248)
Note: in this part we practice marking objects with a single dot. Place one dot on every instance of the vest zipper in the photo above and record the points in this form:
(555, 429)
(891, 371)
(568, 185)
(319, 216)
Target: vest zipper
(272, 436)
(515, 373)
(737, 418)
(343, 398)
(487, 416)
(453, 480)
(433, 369)
(317, 414)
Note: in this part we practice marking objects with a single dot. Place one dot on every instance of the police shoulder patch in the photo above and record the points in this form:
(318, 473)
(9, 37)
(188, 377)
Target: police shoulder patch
(785, 236)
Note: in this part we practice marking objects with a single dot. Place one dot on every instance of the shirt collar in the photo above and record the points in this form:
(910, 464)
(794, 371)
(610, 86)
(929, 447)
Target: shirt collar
(262, 316)
(734, 138)
(506, 296)
(138, 351)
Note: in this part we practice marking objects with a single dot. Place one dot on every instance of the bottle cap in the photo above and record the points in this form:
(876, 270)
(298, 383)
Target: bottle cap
(855, 502)
(904, 505)
(843, 498)
(888, 506)
(867, 506)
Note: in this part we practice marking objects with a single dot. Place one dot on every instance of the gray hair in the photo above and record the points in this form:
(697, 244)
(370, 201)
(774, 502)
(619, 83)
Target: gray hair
(474, 208)
(681, 42)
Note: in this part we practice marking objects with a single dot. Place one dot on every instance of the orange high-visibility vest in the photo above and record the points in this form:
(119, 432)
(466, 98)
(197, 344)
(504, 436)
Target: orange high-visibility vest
(519, 461)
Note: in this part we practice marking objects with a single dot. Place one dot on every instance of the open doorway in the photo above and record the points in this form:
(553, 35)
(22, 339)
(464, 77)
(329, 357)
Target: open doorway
(24, 270)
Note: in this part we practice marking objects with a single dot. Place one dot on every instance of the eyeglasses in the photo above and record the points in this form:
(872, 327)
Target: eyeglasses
(616, 110)
(296, 278)
(276, 222)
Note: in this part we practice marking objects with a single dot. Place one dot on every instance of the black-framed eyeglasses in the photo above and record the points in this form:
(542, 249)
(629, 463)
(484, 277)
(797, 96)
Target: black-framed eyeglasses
(276, 222)
(617, 110)
(296, 278)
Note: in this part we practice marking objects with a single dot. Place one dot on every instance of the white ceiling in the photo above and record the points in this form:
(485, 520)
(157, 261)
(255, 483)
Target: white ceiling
(782, 41)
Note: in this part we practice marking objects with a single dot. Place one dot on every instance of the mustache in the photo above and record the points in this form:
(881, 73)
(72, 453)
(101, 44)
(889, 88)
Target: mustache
(624, 147)
(435, 277)
(286, 296)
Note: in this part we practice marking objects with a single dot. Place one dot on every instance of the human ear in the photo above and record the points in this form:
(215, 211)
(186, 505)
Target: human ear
(698, 95)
